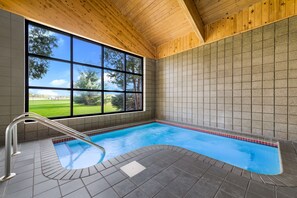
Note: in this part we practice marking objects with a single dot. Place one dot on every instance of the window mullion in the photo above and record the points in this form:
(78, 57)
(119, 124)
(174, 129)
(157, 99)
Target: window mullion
(125, 75)
(71, 76)
(102, 80)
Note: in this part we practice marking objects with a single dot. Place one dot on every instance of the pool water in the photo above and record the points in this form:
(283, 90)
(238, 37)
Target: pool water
(246, 155)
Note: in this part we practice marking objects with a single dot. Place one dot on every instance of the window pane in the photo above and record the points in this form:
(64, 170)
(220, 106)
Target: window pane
(134, 83)
(48, 73)
(86, 77)
(113, 102)
(49, 102)
(133, 101)
(45, 42)
(133, 64)
(86, 52)
(113, 81)
(113, 59)
(86, 102)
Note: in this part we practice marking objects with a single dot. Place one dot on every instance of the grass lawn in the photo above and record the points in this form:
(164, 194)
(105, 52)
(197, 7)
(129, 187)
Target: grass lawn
(56, 108)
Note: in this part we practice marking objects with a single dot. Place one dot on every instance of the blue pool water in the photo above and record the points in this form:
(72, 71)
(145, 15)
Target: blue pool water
(246, 155)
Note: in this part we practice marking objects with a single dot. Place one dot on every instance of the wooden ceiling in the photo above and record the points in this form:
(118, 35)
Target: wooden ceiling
(162, 21)
(213, 10)
(159, 21)
(98, 20)
(151, 28)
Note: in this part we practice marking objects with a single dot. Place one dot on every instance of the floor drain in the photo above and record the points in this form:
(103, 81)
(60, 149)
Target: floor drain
(132, 169)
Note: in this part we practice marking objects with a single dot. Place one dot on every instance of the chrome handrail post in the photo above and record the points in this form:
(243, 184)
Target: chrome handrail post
(15, 140)
(8, 141)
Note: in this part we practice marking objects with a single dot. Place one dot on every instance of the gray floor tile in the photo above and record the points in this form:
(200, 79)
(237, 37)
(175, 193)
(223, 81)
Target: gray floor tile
(145, 175)
(39, 179)
(45, 186)
(237, 180)
(165, 194)
(21, 177)
(76, 174)
(71, 186)
(99, 167)
(168, 175)
(97, 186)
(207, 186)
(115, 178)
(219, 172)
(233, 190)
(287, 191)
(136, 194)
(124, 187)
(261, 189)
(24, 163)
(151, 187)
(109, 193)
(85, 172)
(61, 182)
(81, 193)
(11, 188)
(180, 185)
(54, 193)
(253, 195)
(108, 171)
(92, 178)
(25, 193)
(222, 194)
(24, 169)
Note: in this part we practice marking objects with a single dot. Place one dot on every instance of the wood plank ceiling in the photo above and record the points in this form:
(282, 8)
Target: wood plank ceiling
(213, 10)
(98, 20)
(159, 21)
(151, 28)
(162, 21)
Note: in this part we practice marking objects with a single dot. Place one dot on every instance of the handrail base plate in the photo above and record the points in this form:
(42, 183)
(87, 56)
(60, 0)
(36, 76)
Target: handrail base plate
(16, 153)
(3, 179)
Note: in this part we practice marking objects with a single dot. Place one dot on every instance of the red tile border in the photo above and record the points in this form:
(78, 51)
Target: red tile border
(222, 134)
(186, 127)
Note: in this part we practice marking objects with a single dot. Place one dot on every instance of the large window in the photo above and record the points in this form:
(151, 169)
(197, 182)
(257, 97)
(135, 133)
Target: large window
(69, 76)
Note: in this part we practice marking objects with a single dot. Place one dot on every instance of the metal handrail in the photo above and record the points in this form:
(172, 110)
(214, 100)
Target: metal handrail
(55, 123)
(51, 124)
(26, 114)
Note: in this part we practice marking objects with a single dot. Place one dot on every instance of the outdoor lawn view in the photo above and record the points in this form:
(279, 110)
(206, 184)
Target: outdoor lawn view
(94, 78)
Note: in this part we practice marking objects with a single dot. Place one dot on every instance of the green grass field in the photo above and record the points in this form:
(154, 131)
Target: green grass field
(56, 108)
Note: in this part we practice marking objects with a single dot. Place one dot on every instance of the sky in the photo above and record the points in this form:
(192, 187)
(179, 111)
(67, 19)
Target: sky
(58, 74)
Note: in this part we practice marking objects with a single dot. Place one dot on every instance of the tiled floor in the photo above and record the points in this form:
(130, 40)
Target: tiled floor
(170, 172)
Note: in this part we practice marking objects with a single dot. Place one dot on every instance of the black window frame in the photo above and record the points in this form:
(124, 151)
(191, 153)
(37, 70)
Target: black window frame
(72, 63)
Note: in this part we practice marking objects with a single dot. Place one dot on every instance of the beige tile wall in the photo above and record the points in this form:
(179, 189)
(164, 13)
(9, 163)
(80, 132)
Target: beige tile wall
(12, 88)
(246, 83)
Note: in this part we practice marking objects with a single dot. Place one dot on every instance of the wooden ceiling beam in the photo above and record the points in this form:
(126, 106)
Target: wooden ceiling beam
(191, 11)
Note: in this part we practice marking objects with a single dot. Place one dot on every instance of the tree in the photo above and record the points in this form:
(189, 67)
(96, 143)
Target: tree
(41, 42)
(88, 79)
(114, 59)
(133, 101)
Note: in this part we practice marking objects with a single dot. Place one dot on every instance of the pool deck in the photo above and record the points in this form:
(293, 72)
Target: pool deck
(170, 172)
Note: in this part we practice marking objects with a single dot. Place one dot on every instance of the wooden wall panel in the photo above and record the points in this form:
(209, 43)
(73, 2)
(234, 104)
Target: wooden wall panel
(96, 20)
(256, 15)
(180, 44)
